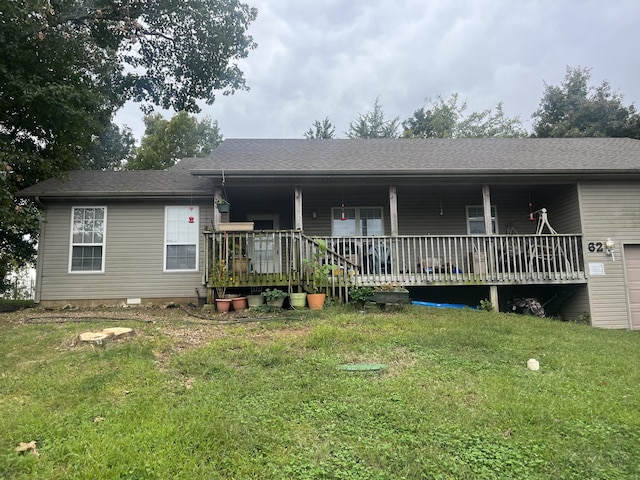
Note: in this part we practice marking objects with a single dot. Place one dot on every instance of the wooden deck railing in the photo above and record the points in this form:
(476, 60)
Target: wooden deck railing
(275, 258)
(502, 259)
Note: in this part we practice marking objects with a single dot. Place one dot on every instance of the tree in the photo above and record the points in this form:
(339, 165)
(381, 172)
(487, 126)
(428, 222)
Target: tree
(446, 119)
(167, 141)
(575, 109)
(321, 130)
(374, 125)
(67, 66)
(111, 150)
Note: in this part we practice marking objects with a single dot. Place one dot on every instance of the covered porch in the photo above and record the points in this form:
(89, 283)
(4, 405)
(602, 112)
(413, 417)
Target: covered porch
(276, 258)
(410, 234)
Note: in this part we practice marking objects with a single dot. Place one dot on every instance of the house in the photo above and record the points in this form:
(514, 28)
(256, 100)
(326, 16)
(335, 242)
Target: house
(453, 220)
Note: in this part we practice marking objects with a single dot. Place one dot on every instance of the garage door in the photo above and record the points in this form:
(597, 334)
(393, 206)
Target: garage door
(632, 265)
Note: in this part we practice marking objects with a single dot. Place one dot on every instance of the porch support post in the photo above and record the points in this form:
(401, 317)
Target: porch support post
(488, 229)
(217, 217)
(393, 210)
(486, 206)
(493, 298)
(298, 208)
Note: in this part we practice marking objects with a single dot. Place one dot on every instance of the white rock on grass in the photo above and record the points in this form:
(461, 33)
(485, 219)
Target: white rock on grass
(533, 364)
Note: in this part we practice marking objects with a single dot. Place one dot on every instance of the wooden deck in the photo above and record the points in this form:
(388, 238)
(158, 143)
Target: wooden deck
(276, 258)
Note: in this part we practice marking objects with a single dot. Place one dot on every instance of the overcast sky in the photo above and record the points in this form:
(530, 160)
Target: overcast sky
(333, 58)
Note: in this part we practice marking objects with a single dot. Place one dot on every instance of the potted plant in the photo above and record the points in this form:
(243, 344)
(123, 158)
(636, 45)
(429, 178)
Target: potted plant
(360, 295)
(298, 299)
(390, 293)
(319, 275)
(255, 300)
(222, 205)
(220, 281)
(275, 297)
(240, 260)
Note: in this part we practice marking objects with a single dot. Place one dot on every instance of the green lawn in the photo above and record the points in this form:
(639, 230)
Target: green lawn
(202, 399)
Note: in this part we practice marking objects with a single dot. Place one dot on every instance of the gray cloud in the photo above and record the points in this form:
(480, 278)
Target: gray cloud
(332, 58)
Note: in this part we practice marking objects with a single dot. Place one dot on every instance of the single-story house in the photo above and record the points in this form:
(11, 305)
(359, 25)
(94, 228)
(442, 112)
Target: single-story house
(452, 220)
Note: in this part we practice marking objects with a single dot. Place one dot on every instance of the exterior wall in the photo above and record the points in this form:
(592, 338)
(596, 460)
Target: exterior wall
(134, 257)
(609, 210)
(441, 210)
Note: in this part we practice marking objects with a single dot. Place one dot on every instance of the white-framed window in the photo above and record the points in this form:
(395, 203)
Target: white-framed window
(88, 231)
(475, 220)
(356, 221)
(181, 238)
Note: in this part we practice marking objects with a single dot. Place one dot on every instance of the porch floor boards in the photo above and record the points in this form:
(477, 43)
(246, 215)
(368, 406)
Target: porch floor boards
(407, 280)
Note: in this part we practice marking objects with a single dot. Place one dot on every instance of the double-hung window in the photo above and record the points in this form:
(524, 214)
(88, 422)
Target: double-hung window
(181, 239)
(357, 221)
(475, 220)
(88, 227)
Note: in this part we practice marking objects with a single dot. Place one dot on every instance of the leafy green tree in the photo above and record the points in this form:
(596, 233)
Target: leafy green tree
(66, 66)
(374, 125)
(447, 119)
(167, 141)
(321, 130)
(111, 150)
(576, 109)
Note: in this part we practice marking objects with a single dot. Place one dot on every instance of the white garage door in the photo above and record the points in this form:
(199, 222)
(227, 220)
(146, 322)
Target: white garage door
(632, 265)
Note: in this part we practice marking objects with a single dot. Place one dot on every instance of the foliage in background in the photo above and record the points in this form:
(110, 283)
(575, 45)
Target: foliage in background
(447, 119)
(167, 141)
(576, 109)
(321, 130)
(67, 66)
(110, 150)
(20, 284)
(373, 124)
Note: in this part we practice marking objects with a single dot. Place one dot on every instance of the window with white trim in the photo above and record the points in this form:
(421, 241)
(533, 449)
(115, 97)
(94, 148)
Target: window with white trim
(181, 238)
(357, 221)
(475, 220)
(88, 227)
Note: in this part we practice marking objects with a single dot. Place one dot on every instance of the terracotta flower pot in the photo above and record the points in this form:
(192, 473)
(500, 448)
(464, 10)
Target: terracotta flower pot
(239, 303)
(316, 300)
(223, 304)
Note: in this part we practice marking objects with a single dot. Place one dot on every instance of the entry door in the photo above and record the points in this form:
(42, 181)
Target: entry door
(632, 265)
(265, 249)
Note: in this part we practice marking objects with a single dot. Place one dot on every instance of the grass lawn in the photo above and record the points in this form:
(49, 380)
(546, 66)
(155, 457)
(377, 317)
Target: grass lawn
(196, 398)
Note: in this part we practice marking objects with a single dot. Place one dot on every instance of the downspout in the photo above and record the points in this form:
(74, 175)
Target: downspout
(39, 256)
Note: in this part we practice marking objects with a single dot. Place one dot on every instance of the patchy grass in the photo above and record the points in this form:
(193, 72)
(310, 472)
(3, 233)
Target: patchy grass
(199, 398)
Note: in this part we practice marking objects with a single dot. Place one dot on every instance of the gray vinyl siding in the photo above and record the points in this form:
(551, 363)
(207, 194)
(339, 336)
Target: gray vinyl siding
(134, 251)
(323, 200)
(441, 210)
(609, 210)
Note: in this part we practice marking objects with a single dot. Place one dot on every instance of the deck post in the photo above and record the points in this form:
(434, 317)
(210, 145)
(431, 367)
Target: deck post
(486, 207)
(493, 298)
(298, 208)
(217, 216)
(393, 210)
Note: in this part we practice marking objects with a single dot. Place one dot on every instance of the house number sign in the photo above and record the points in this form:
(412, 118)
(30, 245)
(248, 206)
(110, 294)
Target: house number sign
(595, 247)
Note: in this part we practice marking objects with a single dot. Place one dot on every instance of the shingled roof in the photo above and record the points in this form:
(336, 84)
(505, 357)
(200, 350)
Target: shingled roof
(143, 183)
(420, 156)
(262, 159)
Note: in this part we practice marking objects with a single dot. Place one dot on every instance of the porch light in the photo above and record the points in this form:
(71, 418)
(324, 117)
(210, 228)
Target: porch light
(610, 248)
(192, 219)
(343, 217)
